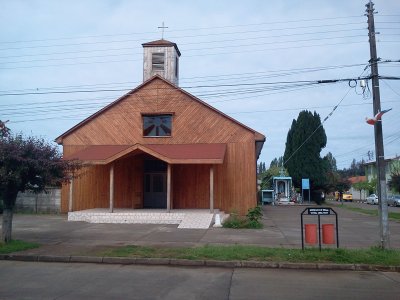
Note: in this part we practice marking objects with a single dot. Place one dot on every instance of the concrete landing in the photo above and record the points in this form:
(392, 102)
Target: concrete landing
(188, 219)
(196, 221)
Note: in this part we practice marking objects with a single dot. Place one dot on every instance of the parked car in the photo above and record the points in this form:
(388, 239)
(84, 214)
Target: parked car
(372, 199)
(346, 196)
(394, 200)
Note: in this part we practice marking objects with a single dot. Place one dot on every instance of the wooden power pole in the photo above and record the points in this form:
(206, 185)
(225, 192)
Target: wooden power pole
(380, 156)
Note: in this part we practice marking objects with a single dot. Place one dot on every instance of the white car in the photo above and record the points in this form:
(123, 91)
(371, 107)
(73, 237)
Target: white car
(394, 200)
(372, 199)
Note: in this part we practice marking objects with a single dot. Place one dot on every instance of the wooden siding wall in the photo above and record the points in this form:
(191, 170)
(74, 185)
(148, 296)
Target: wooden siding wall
(128, 190)
(235, 179)
(170, 59)
(92, 187)
(191, 186)
(85, 196)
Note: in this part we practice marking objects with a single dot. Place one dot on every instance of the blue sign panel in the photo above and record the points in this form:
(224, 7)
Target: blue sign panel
(305, 184)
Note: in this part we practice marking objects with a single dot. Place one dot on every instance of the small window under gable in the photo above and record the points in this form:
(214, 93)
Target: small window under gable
(157, 125)
(158, 61)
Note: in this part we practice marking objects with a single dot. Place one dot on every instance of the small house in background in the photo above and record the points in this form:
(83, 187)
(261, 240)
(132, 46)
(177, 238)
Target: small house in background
(159, 147)
(391, 164)
(357, 194)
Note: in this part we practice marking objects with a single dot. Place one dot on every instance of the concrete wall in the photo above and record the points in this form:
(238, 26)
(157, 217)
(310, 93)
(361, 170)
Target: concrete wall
(41, 203)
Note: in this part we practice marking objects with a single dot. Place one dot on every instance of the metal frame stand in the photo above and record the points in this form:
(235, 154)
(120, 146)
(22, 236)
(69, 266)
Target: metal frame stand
(320, 211)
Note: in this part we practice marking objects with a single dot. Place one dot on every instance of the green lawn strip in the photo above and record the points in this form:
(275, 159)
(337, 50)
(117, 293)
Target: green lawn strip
(372, 212)
(374, 256)
(15, 246)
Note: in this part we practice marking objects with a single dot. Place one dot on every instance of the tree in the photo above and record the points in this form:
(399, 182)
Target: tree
(356, 169)
(361, 186)
(305, 140)
(27, 164)
(267, 177)
(331, 162)
(276, 162)
(394, 182)
(4, 130)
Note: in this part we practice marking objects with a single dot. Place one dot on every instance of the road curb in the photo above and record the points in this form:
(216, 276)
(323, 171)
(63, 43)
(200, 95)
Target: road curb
(198, 263)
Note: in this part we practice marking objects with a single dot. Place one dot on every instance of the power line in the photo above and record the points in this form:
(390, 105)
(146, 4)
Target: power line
(220, 77)
(194, 55)
(190, 87)
(180, 30)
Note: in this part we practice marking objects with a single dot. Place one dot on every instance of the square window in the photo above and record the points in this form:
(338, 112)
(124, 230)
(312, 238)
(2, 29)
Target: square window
(157, 125)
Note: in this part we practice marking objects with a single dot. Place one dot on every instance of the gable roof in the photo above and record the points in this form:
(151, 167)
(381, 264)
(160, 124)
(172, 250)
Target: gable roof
(258, 136)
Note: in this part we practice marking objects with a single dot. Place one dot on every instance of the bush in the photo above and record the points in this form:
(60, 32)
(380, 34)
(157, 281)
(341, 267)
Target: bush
(234, 221)
(252, 219)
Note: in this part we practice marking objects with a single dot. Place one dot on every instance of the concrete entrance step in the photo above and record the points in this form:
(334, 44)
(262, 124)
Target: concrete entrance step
(190, 219)
(196, 221)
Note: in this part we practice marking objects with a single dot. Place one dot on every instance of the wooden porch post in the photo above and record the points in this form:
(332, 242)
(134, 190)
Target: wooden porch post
(169, 188)
(212, 189)
(111, 188)
(70, 198)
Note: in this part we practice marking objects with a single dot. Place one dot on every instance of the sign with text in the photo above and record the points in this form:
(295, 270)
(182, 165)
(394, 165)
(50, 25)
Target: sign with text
(319, 211)
(305, 184)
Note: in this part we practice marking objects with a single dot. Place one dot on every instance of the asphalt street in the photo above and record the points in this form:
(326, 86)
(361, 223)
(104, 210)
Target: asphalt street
(27, 280)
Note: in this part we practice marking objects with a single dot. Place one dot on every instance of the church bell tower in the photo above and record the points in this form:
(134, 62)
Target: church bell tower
(161, 58)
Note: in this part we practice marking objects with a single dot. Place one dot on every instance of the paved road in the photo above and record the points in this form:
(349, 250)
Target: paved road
(22, 280)
(364, 205)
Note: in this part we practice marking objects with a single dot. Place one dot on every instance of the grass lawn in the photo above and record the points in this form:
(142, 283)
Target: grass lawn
(372, 212)
(16, 245)
(373, 256)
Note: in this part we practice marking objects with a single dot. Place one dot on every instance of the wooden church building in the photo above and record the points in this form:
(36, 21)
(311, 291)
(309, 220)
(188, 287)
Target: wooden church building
(160, 147)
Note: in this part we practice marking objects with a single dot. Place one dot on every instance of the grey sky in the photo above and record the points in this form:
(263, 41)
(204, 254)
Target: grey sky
(48, 46)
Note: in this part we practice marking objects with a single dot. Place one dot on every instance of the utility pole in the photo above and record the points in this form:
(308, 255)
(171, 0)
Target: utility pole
(380, 156)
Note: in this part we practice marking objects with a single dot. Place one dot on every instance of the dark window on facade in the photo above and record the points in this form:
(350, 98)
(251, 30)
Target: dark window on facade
(158, 61)
(157, 125)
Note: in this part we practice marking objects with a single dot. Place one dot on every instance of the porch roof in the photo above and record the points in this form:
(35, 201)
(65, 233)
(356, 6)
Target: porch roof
(171, 153)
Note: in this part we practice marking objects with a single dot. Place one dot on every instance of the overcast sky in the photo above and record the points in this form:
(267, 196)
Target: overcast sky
(257, 59)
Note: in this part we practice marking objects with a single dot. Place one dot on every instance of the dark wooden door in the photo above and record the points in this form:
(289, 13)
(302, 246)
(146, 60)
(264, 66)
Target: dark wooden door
(155, 190)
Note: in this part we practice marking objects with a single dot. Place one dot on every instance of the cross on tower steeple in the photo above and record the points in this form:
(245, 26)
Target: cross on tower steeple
(162, 27)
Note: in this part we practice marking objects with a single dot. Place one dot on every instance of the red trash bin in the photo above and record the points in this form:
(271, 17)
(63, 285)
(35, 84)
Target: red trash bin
(311, 233)
(328, 234)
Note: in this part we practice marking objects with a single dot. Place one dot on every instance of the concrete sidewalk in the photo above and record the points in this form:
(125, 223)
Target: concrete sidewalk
(281, 229)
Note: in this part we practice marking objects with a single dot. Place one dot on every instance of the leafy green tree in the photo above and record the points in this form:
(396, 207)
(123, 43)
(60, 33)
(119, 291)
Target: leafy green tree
(26, 164)
(373, 186)
(394, 182)
(361, 186)
(305, 140)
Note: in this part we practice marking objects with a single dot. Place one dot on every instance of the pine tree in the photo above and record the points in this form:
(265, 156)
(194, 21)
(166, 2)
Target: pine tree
(304, 160)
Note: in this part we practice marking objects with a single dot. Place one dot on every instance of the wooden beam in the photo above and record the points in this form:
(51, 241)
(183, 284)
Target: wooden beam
(70, 196)
(112, 188)
(169, 188)
(212, 189)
